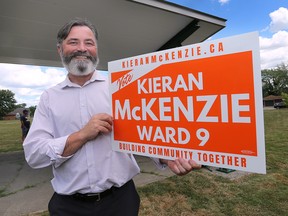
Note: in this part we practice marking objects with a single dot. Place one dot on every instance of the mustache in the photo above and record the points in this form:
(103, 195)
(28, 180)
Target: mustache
(67, 59)
(79, 53)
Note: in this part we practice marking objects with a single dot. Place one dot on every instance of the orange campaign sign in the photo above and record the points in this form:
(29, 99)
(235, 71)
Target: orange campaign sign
(200, 102)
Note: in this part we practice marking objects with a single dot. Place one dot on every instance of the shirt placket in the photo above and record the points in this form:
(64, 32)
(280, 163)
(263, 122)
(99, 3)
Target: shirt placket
(85, 117)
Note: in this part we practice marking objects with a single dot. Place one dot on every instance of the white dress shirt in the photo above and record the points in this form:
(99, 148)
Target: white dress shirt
(63, 110)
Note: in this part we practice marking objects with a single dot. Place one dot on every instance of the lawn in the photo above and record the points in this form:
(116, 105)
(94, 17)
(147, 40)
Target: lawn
(203, 193)
(10, 136)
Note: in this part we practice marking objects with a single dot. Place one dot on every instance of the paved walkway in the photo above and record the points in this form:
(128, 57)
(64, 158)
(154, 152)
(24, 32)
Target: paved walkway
(27, 190)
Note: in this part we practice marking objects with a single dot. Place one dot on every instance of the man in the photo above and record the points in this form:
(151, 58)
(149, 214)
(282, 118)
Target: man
(25, 124)
(70, 131)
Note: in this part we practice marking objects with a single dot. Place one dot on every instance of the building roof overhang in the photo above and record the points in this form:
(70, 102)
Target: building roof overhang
(126, 28)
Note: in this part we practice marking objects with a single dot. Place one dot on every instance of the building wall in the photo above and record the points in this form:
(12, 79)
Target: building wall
(9, 117)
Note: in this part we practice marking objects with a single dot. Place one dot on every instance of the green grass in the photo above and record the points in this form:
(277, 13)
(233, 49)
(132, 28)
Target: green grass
(10, 136)
(203, 193)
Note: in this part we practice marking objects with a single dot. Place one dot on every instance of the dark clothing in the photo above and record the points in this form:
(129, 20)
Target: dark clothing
(114, 202)
(24, 121)
(25, 125)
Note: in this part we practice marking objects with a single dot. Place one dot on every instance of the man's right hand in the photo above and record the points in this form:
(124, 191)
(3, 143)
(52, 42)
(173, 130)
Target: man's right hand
(99, 123)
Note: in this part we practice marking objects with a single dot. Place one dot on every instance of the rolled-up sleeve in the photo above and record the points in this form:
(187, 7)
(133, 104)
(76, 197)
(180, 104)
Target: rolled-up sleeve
(158, 164)
(41, 147)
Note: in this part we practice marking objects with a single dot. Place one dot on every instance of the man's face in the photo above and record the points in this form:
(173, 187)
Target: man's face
(79, 51)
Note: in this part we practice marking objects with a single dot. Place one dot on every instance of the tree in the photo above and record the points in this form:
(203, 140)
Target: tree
(7, 102)
(23, 105)
(285, 98)
(32, 110)
(275, 81)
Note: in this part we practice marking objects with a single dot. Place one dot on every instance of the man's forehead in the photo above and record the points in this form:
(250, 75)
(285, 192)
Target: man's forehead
(80, 32)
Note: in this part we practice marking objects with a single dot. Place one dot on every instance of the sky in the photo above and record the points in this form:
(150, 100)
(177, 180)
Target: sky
(268, 17)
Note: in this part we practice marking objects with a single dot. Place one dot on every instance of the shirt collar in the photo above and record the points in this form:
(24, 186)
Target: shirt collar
(95, 77)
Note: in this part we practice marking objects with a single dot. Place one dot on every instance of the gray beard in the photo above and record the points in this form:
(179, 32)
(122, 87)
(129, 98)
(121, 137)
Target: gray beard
(80, 67)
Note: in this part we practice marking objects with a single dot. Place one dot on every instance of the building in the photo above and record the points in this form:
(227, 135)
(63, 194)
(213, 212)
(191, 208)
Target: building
(15, 114)
(126, 28)
(271, 100)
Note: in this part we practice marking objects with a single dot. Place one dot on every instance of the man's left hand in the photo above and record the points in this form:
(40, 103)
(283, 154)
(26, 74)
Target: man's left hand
(181, 166)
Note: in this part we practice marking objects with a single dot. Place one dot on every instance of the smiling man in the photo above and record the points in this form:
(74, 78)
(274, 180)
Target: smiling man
(71, 132)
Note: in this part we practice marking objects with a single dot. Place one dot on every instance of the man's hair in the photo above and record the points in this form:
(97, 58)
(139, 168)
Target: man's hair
(25, 111)
(65, 30)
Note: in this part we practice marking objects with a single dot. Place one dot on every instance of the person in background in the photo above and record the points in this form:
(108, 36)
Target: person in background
(71, 132)
(25, 124)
